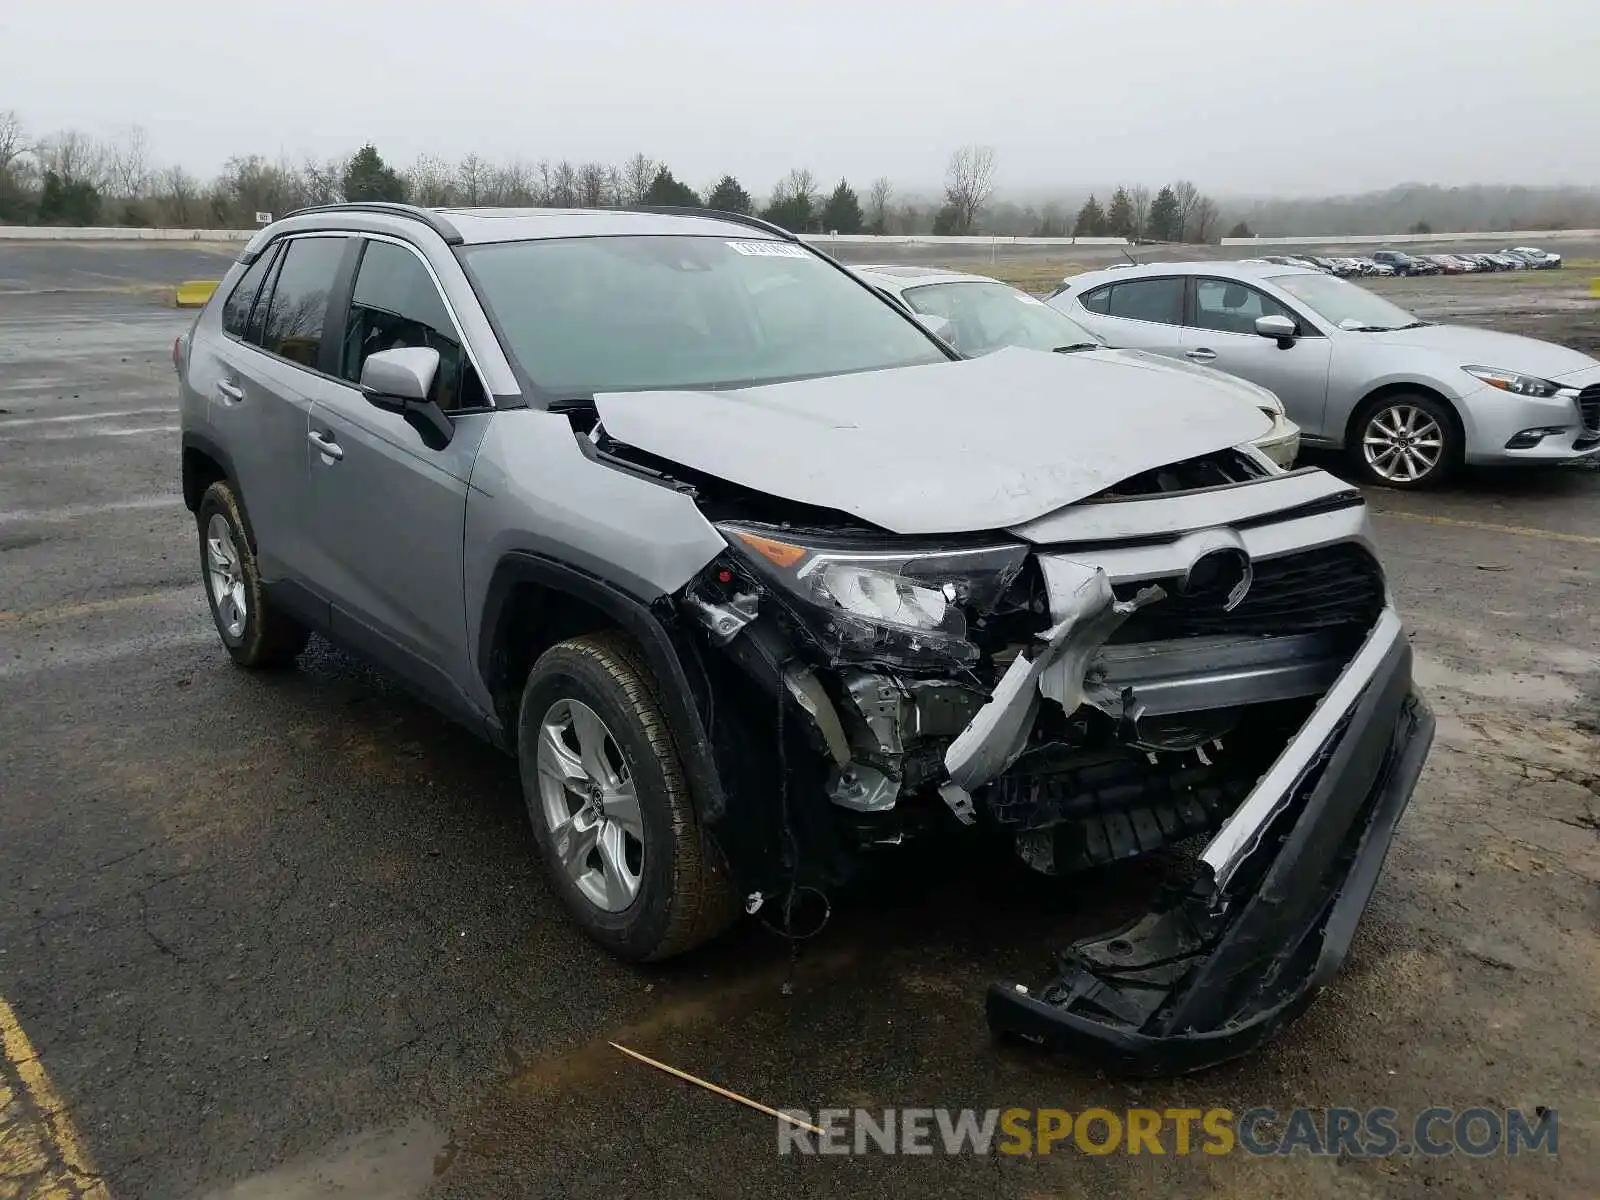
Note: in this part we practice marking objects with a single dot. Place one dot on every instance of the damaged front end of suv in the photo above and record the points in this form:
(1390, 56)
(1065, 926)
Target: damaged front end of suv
(1206, 651)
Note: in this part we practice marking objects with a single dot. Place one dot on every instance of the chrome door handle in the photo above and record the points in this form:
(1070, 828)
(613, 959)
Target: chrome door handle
(231, 392)
(1201, 355)
(325, 445)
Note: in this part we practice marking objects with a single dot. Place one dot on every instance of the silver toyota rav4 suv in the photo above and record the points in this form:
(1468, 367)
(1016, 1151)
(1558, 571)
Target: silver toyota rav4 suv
(757, 578)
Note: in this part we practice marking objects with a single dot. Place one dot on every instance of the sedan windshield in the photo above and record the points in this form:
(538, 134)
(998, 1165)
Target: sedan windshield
(607, 314)
(986, 316)
(1345, 304)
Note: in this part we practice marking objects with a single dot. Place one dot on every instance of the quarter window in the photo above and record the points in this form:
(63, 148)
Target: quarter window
(396, 304)
(236, 311)
(299, 307)
(1158, 300)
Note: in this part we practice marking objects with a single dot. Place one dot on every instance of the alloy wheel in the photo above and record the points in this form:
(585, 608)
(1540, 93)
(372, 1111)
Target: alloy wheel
(1403, 443)
(587, 795)
(225, 577)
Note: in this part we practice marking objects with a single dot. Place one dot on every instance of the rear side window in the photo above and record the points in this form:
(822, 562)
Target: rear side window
(1099, 301)
(1159, 300)
(299, 306)
(236, 311)
(396, 304)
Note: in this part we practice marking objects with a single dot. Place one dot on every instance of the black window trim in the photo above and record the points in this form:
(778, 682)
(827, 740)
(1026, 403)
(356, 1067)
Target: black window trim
(444, 298)
(1191, 308)
(340, 287)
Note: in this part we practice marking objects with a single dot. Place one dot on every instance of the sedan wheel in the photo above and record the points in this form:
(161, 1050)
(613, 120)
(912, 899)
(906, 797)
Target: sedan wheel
(1407, 442)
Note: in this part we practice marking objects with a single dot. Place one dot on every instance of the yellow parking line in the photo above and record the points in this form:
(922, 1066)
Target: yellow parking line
(1551, 535)
(41, 1155)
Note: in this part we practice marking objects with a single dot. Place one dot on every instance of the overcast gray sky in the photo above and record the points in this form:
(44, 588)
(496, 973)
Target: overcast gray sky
(1264, 96)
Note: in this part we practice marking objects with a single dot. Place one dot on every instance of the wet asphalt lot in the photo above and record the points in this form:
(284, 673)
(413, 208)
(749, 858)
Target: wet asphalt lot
(280, 935)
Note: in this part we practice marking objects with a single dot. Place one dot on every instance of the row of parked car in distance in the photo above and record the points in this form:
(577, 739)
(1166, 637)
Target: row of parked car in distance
(1395, 262)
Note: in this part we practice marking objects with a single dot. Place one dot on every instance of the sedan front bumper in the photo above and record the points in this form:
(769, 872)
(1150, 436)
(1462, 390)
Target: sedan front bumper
(1223, 960)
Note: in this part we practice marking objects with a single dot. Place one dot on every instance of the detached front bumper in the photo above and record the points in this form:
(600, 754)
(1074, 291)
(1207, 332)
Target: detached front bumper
(1222, 961)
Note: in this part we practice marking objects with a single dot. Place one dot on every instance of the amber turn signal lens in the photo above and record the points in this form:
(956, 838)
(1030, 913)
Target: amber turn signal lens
(780, 554)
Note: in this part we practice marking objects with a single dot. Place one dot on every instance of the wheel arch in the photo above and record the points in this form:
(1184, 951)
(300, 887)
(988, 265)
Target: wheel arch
(1402, 388)
(533, 602)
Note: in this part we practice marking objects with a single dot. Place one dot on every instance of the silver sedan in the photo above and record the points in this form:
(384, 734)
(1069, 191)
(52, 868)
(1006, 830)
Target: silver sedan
(1409, 400)
(985, 315)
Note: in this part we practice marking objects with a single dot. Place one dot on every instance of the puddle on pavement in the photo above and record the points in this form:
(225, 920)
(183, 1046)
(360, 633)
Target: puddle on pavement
(384, 1164)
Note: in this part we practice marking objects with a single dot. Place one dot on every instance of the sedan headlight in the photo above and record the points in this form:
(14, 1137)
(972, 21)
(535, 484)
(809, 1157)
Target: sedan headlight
(1514, 381)
(890, 602)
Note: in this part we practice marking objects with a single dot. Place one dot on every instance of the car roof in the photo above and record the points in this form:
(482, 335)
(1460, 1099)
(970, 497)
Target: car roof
(1221, 268)
(478, 226)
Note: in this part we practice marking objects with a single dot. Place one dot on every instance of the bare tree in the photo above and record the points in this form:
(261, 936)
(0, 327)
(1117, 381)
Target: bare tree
(968, 181)
(178, 193)
(1187, 196)
(323, 183)
(593, 185)
(1139, 202)
(563, 191)
(638, 173)
(428, 182)
(13, 140)
(74, 157)
(472, 179)
(798, 184)
(512, 185)
(878, 197)
(1202, 220)
(127, 163)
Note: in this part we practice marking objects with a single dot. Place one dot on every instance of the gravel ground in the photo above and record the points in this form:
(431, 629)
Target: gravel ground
(281, 936)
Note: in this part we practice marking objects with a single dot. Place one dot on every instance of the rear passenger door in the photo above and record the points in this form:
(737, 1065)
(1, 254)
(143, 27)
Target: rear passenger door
(1142, 314)
(388, 498)
(273, 364)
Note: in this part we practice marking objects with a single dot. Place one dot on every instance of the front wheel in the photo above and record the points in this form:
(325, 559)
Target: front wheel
(610, 807)
(1406, 441)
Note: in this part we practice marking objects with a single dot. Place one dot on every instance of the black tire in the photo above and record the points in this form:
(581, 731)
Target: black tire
(267, 637)
(684, 895)
(1378, 418)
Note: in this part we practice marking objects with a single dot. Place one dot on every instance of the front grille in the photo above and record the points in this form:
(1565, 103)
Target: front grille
(1326, 588)
(1589, 406)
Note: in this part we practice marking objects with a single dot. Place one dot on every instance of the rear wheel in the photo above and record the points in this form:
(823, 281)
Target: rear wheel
(254, 632)
(1407, 441)
(610, 807)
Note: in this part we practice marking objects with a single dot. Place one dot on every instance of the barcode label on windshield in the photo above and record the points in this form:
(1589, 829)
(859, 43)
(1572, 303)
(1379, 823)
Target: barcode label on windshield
(769, 249)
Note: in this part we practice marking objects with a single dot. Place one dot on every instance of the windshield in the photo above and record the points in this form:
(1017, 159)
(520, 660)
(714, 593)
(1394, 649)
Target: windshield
(1343, 303)
(986, 316)
(608, 314)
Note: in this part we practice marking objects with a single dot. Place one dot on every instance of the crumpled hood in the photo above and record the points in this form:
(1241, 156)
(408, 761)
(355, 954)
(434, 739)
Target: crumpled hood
(952, 447)
(1486, 348)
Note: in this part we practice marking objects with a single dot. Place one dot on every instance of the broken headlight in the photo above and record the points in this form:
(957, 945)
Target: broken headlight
(881, 600)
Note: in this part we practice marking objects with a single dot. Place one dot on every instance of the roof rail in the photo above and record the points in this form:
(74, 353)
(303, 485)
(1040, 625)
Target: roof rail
(427, 216)
(716, 214)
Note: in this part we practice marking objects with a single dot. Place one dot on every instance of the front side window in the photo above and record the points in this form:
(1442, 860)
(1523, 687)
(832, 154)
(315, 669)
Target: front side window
(236, 309)
(396, 304)
(985, 317)
(1227, 306)
(598, 314)
(299, 307)
(1158, 300)
(1346, 305)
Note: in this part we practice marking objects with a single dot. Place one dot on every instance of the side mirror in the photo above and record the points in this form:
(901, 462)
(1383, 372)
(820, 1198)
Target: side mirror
(1279, 328)
(401, 381)
(940, 327)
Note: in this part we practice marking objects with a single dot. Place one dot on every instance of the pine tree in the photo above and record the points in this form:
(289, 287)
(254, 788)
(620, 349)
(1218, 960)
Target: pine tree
(1119, 217)
(1091, 219)
(728, 196)
(1165, 224)
(369, 178)
(842, 213)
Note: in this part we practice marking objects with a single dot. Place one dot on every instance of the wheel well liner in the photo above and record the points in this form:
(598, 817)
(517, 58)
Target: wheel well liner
(204, 463)
(511, 637)
(1401, 389)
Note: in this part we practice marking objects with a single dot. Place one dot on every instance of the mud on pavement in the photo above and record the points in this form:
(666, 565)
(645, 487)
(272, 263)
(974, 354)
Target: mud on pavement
(282, 936)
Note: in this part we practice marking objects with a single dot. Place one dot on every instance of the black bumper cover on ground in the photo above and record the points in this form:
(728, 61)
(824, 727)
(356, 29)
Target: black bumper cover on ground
(1209, 974)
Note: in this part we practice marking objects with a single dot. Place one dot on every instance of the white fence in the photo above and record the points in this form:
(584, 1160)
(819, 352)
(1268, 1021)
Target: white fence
(1519, 237)
(117, 233)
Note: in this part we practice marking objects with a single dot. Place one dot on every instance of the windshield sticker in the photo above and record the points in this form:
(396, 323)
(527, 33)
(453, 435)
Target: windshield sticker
(770, 249)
